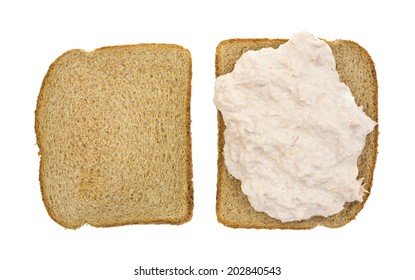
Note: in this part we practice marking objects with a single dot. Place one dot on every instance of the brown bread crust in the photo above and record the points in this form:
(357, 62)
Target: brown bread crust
(87, 193)
(356, 70)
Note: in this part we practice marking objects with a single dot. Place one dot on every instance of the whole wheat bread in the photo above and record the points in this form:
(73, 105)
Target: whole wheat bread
(113, 130)
(356, 70)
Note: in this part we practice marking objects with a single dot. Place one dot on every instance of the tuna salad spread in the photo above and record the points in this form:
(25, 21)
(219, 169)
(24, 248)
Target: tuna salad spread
(293, 130)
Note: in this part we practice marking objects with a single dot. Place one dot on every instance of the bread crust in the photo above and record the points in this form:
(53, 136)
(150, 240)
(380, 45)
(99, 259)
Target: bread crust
(232, 206)
(40, 139)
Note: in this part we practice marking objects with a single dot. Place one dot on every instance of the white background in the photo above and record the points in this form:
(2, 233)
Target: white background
(379, 243)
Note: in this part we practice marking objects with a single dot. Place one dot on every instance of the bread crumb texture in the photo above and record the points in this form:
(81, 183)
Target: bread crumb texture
(357, 70)
(113, 130)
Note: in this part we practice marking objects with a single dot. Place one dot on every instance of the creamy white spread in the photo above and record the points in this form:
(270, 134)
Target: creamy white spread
(293, 130)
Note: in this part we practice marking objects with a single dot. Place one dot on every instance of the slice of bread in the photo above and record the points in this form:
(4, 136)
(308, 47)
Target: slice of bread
(113, 130)
(357, 70)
